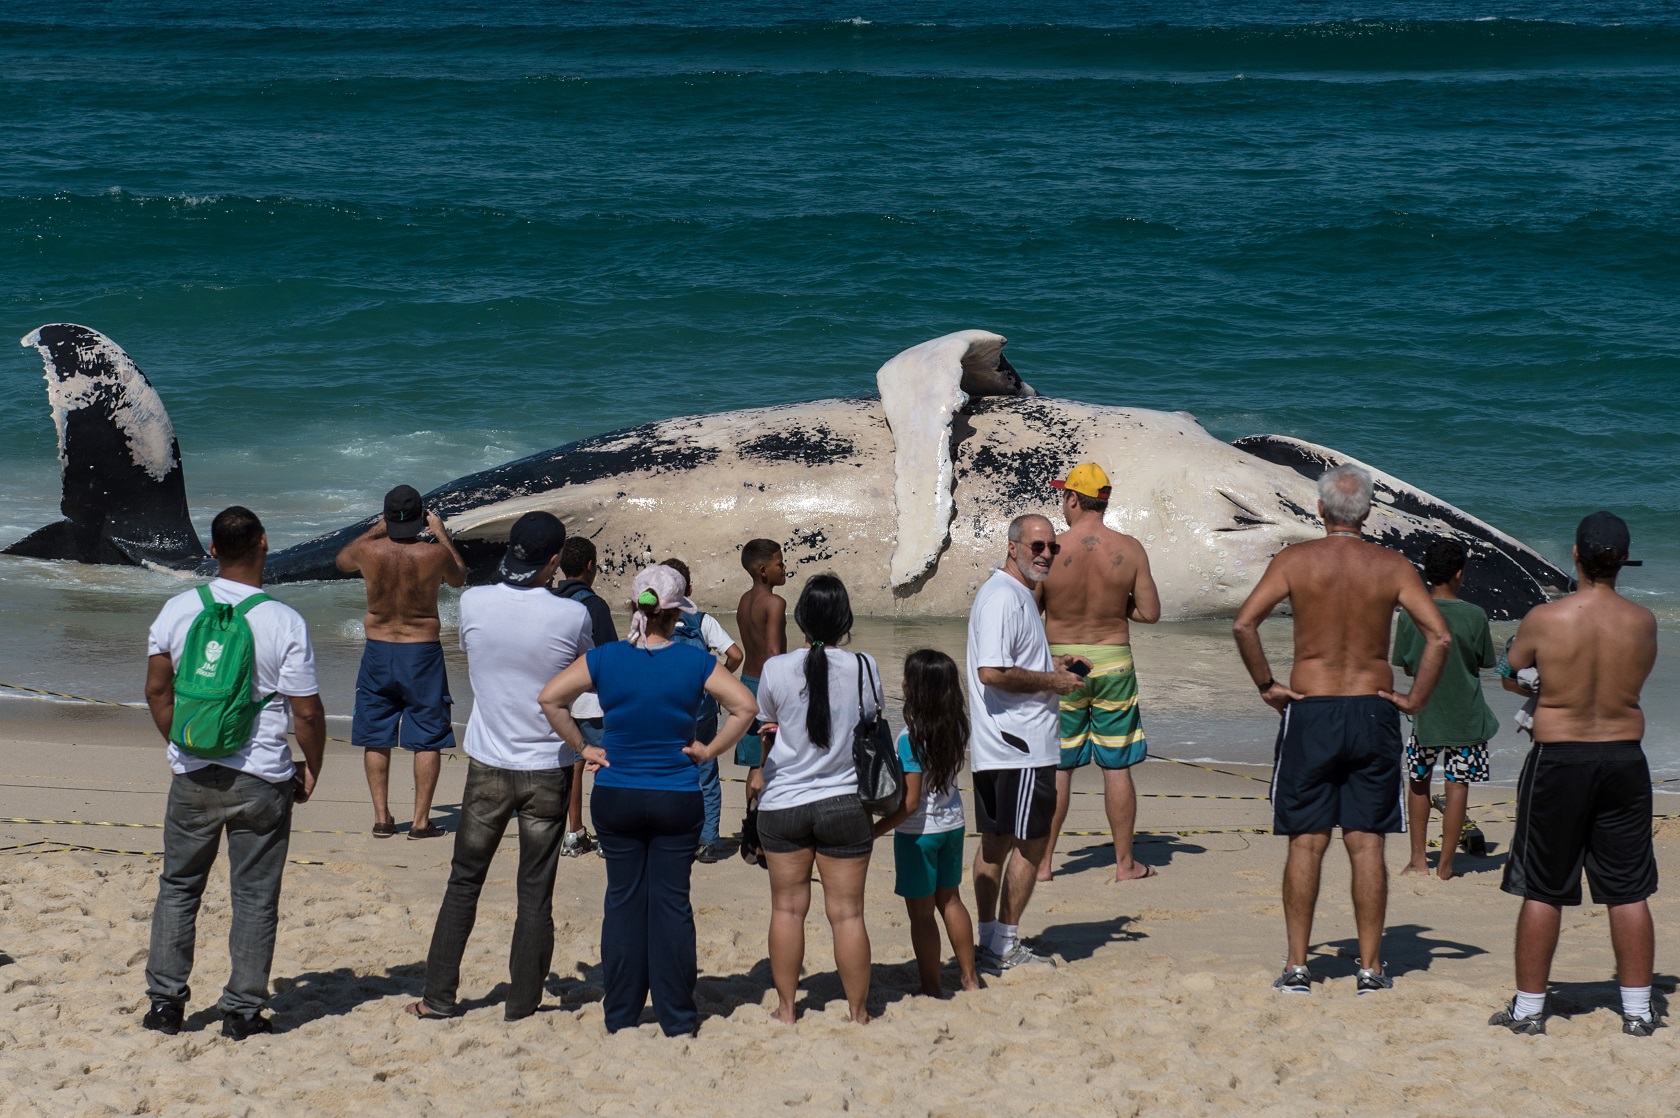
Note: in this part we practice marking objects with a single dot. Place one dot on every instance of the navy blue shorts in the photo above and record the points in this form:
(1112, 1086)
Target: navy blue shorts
(1338, 765)
(402, 698)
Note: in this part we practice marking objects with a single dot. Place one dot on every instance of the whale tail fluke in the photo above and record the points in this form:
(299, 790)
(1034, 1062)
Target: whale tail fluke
(125, 498)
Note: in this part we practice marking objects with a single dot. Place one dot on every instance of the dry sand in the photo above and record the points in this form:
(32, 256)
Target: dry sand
(1161, 1005)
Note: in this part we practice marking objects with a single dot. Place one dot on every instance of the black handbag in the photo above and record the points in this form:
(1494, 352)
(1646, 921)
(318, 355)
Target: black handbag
(879, 772)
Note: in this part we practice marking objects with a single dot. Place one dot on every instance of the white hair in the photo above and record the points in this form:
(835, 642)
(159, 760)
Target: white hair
(1345, 493)
(1020, 522)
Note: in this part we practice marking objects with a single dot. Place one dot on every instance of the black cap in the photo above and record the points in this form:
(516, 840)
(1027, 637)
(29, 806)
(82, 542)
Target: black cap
(1603, 536)
(405, 516)
(536, 538)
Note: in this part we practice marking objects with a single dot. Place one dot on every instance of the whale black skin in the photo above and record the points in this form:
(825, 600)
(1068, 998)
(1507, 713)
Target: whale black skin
(1497, 567)
(818, 475)
(116, 510)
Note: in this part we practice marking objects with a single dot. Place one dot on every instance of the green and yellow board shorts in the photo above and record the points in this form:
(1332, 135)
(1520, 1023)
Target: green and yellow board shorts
(1100, 721)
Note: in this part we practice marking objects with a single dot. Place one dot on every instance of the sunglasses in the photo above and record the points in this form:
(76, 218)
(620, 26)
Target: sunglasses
(1037, 547)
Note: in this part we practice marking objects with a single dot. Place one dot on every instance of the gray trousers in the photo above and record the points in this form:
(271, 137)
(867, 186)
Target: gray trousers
(257, 817)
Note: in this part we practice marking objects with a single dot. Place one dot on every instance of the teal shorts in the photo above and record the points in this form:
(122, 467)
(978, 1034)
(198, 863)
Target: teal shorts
(927, 862)
(749, 751)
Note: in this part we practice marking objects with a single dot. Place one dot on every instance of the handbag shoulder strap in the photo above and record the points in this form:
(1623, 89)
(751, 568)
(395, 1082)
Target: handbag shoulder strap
(875, 686)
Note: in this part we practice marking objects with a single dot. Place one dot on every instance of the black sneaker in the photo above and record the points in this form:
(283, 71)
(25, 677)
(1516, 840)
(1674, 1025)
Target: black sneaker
(236, 1026)
(164, 1017)
(1371, 981)
(1294, 980)
(1527, 1026)
(712, 853)
(1639, 1026)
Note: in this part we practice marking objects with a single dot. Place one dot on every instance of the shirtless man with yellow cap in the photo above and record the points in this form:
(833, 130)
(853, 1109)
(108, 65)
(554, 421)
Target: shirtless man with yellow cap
(1099, 584)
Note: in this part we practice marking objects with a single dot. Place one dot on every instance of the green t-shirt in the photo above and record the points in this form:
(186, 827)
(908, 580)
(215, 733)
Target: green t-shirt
(1457, 713)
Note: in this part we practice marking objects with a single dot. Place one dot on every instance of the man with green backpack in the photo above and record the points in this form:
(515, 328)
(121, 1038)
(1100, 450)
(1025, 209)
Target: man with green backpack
(226, 664)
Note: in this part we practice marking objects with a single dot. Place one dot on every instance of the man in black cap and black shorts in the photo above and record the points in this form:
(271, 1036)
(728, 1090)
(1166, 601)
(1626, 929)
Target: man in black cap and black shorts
(1584, 798)
(402, 690)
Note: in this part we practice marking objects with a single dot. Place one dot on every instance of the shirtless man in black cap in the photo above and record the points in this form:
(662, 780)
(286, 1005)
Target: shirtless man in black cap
(402, 690)
(1584, 798)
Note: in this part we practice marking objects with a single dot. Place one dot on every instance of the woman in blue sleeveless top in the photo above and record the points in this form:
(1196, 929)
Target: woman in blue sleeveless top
(646, 802)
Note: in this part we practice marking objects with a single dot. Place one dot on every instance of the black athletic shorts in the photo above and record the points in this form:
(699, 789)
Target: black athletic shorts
(1583, 804)
(1338, 765)
(1018, 802)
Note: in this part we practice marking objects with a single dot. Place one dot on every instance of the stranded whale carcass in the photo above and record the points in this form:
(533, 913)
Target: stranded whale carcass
(908, 496)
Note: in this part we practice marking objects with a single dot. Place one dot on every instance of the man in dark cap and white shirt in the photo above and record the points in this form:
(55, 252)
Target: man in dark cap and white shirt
(1584, 798)
(402, 690)
(517, 637)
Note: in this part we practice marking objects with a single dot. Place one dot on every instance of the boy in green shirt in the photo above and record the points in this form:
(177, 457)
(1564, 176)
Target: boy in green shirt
(1457, 723)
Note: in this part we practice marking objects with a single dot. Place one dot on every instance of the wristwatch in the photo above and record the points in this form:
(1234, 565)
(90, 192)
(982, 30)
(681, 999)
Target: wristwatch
(1268, 685)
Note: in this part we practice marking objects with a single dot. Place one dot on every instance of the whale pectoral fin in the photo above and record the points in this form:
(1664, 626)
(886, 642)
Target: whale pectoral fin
(124, 494)
(921, 390)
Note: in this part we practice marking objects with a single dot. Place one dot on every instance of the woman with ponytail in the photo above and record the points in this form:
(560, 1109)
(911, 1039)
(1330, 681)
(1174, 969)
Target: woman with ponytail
(810, 813)
(646, 802)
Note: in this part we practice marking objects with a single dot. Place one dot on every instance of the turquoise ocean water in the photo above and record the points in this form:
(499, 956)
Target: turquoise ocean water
(356, 244)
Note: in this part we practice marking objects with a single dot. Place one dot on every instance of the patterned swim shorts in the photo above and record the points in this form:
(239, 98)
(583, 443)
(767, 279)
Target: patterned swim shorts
(1462, 764)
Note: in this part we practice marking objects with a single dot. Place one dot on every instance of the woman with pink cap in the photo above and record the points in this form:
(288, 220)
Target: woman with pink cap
(646, 802)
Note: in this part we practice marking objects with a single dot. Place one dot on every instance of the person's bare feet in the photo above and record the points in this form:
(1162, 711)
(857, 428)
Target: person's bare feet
(971, 982)
(1446, 872)
(861, 1017)
(1137, 872)
(1415, 869)
(783, 1014)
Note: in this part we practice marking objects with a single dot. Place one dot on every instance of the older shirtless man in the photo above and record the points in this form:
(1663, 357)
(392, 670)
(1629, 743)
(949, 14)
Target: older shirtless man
(402, 690)
(1098, 585)
(1584, 798)
(1338, 751)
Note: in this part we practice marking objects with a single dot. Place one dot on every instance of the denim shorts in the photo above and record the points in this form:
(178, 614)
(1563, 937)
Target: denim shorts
(837, 827)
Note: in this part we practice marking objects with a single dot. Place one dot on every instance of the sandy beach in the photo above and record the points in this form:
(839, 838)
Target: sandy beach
(1161, 1003)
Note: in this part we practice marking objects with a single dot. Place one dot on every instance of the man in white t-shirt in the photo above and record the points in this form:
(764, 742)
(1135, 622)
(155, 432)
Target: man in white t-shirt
(517, 636)
(248, 794)
(1015, 739)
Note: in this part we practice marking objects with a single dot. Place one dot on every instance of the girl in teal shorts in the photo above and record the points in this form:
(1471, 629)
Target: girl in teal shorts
(928, 843)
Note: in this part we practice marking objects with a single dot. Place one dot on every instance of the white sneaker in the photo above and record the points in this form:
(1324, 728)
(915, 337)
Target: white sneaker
(576, 843)
(1019, 956)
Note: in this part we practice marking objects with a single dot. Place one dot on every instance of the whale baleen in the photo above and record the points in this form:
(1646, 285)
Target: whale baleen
(907, 496)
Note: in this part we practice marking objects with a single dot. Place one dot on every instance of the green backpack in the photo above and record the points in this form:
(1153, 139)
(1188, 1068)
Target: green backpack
(213, 706)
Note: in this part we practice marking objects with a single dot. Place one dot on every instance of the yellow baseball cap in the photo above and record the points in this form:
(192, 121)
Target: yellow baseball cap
(1087, 479)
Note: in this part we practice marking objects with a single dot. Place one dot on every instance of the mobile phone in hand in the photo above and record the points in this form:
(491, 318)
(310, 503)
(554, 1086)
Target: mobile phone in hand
(1079, 668)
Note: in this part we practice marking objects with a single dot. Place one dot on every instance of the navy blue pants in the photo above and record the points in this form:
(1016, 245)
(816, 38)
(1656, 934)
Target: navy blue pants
(647, 928)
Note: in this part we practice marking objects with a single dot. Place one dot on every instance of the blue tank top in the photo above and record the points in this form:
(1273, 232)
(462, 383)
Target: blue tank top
(649, 699)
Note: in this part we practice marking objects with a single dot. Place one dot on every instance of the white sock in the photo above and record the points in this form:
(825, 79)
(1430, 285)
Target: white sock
(1008, 935)
(1636, 1001)
(1529, 1005)
(988, 933)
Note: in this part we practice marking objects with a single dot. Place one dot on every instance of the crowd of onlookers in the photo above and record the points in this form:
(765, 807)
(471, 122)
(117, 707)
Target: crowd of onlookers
(1050, 686)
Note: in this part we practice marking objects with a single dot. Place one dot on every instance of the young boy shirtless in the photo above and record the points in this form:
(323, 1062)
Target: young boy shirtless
(762, 618)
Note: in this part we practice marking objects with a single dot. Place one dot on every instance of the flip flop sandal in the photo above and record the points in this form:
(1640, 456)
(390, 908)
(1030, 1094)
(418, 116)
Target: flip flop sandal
(419, 1010)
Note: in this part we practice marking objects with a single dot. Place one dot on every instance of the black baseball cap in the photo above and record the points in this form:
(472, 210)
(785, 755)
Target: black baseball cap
(405, 516)
(536, 538)
(1604, 535)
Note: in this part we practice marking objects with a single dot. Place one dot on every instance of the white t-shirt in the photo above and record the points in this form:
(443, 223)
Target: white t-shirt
(939, 812)
(285, 664)
(1004, 632)
(516, 641)
(717, 638)
(795, 771)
